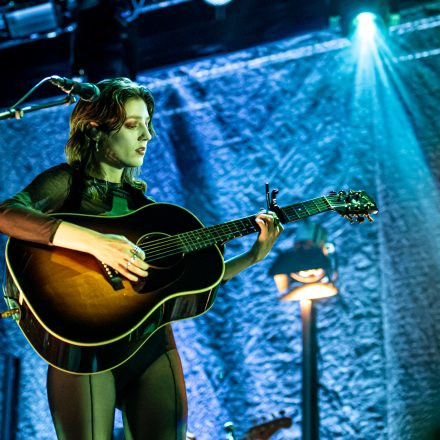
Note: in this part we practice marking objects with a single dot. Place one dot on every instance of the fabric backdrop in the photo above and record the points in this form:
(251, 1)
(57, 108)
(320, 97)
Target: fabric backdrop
(309, 114)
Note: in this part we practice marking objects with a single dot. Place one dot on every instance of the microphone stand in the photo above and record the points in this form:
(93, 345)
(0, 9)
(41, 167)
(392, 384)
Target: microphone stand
(18, 113)
(229, 428)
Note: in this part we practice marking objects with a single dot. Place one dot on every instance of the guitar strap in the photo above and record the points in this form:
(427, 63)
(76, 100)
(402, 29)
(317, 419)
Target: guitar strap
(74, 198)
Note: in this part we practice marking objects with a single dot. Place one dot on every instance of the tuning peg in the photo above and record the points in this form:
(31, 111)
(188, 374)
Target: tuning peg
(370, 219)
(349, 218)
(341, 195)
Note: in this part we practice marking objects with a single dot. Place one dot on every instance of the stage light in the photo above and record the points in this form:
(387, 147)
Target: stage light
(217, 2)
(365, 24)
(308, 270)
(31, 20)
(311, 291)
(363, 17)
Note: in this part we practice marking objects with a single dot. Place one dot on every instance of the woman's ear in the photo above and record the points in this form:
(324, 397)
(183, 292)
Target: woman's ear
(92, 131)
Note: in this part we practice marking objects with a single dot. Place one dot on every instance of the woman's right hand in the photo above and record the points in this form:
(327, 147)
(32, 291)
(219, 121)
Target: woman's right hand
(114, 250)
(121, 254)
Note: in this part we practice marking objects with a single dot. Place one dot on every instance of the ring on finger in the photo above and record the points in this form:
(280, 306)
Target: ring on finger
(136, 250)
(128, 264)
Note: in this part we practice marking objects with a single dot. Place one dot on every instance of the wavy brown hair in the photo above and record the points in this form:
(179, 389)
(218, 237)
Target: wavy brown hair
(109, 113)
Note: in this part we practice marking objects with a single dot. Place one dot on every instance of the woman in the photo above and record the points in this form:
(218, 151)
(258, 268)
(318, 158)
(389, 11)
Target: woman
(107, 143)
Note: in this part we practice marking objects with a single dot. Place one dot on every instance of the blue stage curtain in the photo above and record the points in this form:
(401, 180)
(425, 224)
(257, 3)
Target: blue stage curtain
(309, 114)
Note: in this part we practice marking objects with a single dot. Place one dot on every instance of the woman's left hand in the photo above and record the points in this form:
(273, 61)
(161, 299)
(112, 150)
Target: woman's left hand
(270, 229)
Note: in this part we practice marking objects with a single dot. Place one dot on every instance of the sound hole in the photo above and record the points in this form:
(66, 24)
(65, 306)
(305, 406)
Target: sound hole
(165, 260)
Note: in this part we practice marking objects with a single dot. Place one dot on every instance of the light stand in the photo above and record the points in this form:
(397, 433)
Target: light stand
(306, 274)
(310, 412)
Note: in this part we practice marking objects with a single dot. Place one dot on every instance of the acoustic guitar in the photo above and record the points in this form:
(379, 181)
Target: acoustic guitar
(265, 430)
(83, 317)
(260, 432)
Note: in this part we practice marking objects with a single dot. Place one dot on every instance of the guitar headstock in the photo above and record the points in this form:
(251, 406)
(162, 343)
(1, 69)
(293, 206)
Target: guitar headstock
(267, 429)
(357, 204)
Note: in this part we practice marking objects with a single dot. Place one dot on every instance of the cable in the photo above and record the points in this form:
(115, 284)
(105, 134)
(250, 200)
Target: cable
(30, 92)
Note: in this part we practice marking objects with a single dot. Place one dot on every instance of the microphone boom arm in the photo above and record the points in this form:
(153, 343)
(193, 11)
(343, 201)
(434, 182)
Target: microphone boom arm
(18, 113)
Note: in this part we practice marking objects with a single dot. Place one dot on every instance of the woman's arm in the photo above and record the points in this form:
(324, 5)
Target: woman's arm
(270, 230)
(25, 216)
(111, 249)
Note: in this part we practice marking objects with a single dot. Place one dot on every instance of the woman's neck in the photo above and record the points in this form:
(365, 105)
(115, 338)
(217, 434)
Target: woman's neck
(110, 173)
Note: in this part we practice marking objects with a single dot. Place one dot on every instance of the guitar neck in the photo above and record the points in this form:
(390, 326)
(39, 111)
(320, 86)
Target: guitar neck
(215, 235)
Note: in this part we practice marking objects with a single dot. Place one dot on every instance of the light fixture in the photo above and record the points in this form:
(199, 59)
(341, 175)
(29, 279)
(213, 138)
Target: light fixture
(363, 16)
(365, 24)
(217, 3)
(309, 268)
(31, 20)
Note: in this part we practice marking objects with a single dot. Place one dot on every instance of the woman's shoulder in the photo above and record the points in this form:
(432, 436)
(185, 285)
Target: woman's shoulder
(58, 175)
(62, 170)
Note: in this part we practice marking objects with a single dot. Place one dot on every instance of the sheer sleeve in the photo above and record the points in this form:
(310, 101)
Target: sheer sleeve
(24, 216)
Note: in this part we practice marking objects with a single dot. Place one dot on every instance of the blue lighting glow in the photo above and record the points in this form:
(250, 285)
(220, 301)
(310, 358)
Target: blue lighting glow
(365, 24)
(218, 2)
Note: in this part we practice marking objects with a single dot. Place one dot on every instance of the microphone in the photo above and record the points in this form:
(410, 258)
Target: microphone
(86, 91)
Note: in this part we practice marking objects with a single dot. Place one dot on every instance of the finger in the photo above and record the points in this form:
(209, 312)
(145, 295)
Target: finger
(268, 214)
(265, 217)
(137, 251)
(138, 262)
(141, 264)
(263, 234)
(280, 229)
(269, 220)
(261, 223)
(126, 273)
(132, 269)
(138, 271)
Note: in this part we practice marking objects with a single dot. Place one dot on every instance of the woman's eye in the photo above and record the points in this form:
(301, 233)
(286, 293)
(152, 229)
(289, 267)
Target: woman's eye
(131, 125)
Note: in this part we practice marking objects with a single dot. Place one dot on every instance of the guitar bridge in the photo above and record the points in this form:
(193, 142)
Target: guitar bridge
(112, 276)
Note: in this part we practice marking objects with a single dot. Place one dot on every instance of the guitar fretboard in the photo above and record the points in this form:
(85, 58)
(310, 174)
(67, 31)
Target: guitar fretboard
(215, 235)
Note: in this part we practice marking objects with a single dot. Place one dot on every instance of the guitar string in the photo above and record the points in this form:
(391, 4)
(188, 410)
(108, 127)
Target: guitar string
(185, 238)
(172, 245)
(220, 228)
(175, 243)
(211, 232)
(174, 248)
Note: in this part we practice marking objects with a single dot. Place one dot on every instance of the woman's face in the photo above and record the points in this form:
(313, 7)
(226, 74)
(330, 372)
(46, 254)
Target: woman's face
(127, 146)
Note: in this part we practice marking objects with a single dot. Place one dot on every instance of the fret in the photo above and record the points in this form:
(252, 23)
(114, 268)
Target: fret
(219, 234)
(306, 209)
(304, 205)
(215, 235)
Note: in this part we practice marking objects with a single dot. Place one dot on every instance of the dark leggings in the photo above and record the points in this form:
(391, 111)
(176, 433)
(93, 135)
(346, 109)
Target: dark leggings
(153, 405)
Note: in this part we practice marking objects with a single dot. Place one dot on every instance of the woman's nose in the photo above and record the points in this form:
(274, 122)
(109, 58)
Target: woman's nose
(146, 135)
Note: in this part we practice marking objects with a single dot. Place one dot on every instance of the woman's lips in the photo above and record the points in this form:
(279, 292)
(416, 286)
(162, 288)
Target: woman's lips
(140, 151)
